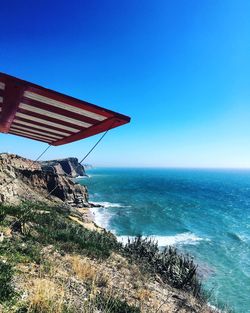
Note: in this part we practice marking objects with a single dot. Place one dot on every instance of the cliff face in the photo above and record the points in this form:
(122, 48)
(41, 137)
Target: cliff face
(21, 178)
(70, 166)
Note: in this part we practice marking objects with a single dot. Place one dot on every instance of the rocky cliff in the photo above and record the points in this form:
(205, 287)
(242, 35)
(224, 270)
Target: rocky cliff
(21, 178)
(69, 166)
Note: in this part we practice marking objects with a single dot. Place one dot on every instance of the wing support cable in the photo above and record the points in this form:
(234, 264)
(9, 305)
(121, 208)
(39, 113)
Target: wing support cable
(95, 145)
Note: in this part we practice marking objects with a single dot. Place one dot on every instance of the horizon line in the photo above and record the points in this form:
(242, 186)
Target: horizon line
(165, 167)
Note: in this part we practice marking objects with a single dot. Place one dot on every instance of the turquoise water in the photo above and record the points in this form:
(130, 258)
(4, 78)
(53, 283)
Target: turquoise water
(203, 212)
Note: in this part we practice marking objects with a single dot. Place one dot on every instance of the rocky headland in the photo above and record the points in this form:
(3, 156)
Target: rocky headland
(50, 181)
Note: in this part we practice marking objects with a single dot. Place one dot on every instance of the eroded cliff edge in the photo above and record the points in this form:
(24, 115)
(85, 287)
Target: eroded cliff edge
(52, 181)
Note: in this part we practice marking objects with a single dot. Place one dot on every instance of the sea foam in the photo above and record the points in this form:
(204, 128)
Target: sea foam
(81, 177)
(179, 239)
(106, 204)
(101, 216)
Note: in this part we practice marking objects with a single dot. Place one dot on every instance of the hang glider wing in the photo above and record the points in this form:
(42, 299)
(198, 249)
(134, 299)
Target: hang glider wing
(34, 112)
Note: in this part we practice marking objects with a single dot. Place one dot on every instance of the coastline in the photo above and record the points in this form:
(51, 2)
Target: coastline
(87, 219)
(77, 243)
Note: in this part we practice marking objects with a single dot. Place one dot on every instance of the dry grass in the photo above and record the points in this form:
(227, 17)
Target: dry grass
(119, 261)
(143, 294)
(5, 230)
(46, 297)
(85, 270)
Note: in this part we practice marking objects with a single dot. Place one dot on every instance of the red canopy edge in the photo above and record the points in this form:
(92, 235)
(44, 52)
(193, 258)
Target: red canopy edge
(38, 113)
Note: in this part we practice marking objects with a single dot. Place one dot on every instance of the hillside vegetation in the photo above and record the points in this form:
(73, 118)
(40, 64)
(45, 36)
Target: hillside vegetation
(50, 263)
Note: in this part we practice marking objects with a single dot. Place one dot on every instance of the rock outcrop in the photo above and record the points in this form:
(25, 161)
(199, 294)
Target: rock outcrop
(21, 178)
(69, 166)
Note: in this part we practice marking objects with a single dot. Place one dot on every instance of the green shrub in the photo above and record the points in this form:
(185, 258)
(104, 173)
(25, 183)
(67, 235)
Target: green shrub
(52, 226)
(70, 237)
(174, 268)
(39, 223)
(6, 290)
(20, 250)
(2, 213)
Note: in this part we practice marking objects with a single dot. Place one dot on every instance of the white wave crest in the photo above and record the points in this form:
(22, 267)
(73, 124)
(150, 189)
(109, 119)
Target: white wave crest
(105, 204)
(215, 309)
(82, 177)
(101, 216)
(179, 239)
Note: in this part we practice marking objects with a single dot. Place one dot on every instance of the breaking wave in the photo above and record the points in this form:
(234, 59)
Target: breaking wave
(82, 177)
(100, 216)
(179, 239)
(105, 204)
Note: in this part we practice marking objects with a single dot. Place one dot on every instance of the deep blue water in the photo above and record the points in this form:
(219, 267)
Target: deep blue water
(203, 212)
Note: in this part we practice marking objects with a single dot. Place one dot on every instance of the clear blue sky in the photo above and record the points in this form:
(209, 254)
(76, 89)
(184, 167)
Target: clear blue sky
(180, 69)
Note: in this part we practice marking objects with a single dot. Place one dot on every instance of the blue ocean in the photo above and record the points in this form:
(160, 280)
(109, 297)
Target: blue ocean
(205, 213)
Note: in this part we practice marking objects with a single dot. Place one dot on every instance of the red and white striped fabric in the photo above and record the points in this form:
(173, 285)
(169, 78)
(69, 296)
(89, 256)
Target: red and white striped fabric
(31, 111)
